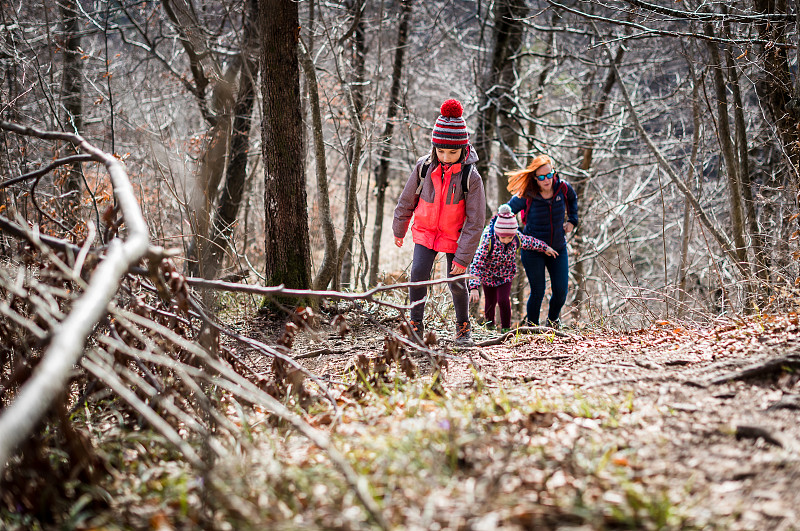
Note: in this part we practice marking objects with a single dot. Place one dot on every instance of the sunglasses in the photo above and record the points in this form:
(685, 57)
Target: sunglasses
(546, 176)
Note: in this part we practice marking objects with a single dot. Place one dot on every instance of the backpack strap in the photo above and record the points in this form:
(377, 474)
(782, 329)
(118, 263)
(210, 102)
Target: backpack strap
(423, 171)
(491, 242)
(524, 213)
(562, 187)
(466, 170)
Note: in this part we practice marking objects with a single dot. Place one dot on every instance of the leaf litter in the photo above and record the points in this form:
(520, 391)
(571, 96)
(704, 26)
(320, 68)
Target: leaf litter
(661, 428)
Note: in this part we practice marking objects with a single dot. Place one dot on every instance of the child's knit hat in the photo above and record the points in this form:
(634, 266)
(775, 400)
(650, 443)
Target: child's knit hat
(450, 130)
(506, 222)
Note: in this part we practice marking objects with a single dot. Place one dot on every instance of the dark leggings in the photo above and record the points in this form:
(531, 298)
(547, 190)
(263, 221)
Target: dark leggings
(421, 268)
(535, 264)
(501, 296)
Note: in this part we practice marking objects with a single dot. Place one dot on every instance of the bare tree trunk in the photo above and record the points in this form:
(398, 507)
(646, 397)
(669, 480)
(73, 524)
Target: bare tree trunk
(732, 168)
(72, 95)
(287, 256)
(226, 212)
(209, 175)
(358, 67)
(326, 269)
(686, 229)
(743, 150)
(512, 29)
(507, 40)
(352, 181)
(775, 88)
(580, 185)
(382, 171)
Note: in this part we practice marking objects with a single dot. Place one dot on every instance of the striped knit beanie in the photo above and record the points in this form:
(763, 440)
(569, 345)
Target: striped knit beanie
(450, 130)
(506, 222)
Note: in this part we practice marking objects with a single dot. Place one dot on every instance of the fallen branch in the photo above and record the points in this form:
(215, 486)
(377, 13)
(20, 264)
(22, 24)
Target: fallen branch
(65, 349)
(759, 369)
(756, 432)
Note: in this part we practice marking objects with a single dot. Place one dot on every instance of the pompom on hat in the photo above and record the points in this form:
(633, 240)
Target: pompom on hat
(450, 130)
(506, 222)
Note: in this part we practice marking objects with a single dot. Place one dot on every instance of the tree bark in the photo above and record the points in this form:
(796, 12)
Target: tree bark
(287, 253)
(509, 127)
(728, 151)
(72, 101)
(326, 269)
(358, 68)
(507, 40)
(230, 201)
(580, 185)
(775, 88)
(686, 228)
(382, 171)
(742, 147)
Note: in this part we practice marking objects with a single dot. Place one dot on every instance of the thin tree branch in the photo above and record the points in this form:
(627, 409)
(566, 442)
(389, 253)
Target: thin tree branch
(722, 240)
(66, 346)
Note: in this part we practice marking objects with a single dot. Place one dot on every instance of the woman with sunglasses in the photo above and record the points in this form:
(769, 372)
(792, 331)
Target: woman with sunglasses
(549, 208)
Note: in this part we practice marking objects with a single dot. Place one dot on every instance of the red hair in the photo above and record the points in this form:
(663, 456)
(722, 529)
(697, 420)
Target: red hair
(518, 179)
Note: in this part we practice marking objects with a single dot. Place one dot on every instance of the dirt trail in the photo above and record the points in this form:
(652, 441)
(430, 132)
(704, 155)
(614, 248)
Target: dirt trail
(712, 413)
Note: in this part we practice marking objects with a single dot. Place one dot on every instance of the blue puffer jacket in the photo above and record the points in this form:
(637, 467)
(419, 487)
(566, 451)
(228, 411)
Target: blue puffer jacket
(545, 217)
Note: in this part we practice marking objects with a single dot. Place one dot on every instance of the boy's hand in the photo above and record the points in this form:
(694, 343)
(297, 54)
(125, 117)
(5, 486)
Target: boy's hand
(457, 269)
(474, 296)
(568, 227)
(398, 241)
(550, 252)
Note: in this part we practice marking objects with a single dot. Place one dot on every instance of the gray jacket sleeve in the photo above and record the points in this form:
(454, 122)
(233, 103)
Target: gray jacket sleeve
(407, 203)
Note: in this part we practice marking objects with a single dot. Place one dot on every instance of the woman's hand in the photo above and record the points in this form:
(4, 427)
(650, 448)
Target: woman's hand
(550, 252)
(457, 269)
(568, 227)
(398, 241)
(474, 296)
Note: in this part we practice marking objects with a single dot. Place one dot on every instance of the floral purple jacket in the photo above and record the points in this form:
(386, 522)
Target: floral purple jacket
(501, 266)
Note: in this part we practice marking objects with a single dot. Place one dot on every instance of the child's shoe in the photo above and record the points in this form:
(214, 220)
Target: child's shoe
(463, 336)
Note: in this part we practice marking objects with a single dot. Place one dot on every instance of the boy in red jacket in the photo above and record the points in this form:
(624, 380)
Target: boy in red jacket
(445, 195)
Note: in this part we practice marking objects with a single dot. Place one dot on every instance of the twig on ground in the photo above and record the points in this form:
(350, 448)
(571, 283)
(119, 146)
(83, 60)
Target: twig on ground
(499, 340)
(757, 432)
(759, 369)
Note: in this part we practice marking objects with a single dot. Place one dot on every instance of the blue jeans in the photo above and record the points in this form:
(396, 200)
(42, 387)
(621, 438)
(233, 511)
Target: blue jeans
(421, 267)
(535, 263)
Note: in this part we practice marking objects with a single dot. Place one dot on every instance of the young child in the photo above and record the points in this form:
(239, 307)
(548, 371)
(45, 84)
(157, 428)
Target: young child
(445, 195)
(495, 264)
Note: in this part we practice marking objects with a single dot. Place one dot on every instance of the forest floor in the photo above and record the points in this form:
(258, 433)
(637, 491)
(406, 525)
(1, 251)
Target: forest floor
(660, 428)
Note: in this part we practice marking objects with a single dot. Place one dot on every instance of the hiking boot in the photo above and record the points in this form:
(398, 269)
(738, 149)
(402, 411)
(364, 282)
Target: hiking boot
(505, 330)
(463, 337)
(418, 330)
